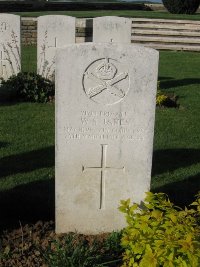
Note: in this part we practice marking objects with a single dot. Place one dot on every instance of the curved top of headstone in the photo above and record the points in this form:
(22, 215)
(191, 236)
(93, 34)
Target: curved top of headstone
(58, 26)
(53, 22)
(9, 16)
(9, 23)
(112, 29)
(115, 46)
(10, 45)
(114, 18)
(109, 64)
(49, 17)
(53, 31)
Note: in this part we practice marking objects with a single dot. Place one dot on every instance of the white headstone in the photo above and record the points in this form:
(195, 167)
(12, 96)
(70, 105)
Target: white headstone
(105, 107)
(10, 45)
(54, 31)
(112, 29)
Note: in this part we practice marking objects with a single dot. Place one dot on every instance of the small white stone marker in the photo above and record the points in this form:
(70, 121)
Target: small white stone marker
(112, 29)
(105, 108)
(10, 45)
(54, 31)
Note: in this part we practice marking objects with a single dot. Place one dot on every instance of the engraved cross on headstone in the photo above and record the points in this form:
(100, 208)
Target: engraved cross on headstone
(54, 45)
(3, 62)
(103, 169)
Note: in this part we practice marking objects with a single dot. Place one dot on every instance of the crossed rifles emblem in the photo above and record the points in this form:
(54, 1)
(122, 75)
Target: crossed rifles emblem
(105, 75)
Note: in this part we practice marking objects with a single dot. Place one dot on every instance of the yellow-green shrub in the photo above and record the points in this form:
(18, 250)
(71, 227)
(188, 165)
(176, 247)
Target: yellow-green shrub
(161, 99)
(159, 234)
(166, 99)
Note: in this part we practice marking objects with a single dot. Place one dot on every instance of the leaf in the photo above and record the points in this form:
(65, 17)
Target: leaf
(173, 217)
(122, 209)
(157, 214)
(149, 258)
(194, 203)
(149, 196)
(133, 207)
(7, 250)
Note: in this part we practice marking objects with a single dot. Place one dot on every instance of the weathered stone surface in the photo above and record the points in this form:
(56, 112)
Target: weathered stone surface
(29, 23)
(53, 31)
(32, 27)
(24, 28)
(105, 107)
(34, 34)
(10, 45)
(27, 34)
(112, 29)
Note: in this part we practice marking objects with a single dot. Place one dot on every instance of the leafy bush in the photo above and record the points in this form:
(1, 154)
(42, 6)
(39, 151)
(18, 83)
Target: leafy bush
(181, 6)
(28, 87)
(161, 234)
(74, 251)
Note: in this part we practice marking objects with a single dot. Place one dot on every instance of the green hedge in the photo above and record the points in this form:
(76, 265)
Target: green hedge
(181, 6)
(19, 6)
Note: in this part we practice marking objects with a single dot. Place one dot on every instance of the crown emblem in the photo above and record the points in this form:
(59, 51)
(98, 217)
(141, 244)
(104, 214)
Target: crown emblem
(106, 70)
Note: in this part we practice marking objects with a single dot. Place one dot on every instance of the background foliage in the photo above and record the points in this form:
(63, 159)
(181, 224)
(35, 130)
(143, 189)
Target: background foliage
(181, 6)
(28, 86)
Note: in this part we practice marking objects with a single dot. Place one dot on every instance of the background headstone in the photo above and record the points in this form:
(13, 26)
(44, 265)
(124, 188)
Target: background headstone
(112, 29)
(53, 31)
(10, 45)
(105, 108)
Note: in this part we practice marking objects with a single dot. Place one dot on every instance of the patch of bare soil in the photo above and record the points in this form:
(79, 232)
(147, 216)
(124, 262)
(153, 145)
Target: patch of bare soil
(23, 246)
(26, 246)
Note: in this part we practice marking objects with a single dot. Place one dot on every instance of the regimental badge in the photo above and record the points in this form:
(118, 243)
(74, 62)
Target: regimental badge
(106, 81)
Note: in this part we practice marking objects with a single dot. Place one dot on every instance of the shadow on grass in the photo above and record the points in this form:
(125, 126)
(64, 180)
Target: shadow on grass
(167, 160)
(8, 103)
(164, 78)
(27, 204)
(26, 162)
(176, 83)
(3, 144)
(35, 201)
(182, 193)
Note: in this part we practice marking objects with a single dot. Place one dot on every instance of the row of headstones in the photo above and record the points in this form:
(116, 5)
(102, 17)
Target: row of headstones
(53, 31)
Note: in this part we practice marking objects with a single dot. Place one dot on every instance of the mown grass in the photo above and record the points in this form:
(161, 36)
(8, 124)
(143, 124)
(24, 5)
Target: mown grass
(122, 13)
(176, 163)
(29, 58)
(27, 144)
(26, 163)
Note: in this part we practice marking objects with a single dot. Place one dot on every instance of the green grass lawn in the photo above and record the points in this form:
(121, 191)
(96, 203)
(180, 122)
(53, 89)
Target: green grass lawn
(29, 58)
(27, 144)
(176, 164)
(122, 13)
